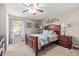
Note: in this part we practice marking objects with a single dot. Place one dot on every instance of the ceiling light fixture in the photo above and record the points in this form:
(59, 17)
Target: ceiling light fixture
(33, 8)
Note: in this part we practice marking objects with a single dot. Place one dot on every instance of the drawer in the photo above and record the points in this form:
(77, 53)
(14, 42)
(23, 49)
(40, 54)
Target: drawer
(63, 42)
(64, 45)
(66, 40)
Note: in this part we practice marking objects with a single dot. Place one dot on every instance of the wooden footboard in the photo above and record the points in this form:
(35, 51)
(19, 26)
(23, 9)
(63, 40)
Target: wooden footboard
(32, 41)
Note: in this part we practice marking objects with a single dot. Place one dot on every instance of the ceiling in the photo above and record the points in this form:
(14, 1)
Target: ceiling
(50, 10)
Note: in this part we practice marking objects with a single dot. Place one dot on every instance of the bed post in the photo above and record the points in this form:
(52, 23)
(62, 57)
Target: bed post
(1, 53)
(36, 47)
(59, 31)
(26, 38)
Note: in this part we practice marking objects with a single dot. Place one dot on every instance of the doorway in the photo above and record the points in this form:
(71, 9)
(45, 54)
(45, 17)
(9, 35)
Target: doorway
(17, 32)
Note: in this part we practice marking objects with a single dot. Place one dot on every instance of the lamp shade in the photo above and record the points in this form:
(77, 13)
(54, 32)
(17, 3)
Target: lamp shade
(41, 27)
(62, 25)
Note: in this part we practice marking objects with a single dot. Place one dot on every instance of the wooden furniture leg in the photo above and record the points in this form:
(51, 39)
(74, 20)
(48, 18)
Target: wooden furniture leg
(1, 53)
(26, 39)
(36, 50)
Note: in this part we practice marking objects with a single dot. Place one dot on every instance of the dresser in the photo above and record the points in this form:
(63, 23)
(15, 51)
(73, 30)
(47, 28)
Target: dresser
(65, 41)
(2, 45)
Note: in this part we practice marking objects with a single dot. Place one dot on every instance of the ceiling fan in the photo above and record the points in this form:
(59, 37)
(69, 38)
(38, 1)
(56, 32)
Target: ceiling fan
(33, 8)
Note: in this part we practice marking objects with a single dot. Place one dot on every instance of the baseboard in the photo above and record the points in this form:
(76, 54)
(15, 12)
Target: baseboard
(76, 47)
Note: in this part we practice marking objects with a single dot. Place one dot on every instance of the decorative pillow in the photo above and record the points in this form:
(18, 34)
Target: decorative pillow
(51, 32)
(47, 32)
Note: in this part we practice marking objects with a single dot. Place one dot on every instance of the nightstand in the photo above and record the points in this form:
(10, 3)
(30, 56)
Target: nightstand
(65, 41)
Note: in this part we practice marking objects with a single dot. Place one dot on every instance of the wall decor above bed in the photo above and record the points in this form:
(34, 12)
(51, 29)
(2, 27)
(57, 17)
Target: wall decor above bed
(50, 20)
(36, 25)
(29, 25)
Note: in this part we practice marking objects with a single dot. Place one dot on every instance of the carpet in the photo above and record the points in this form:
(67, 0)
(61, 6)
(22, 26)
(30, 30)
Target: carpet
(21, 49)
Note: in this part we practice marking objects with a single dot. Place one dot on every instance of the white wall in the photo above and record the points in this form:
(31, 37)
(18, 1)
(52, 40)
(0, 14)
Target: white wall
(2, 19)
(70, 17)
(3, 22)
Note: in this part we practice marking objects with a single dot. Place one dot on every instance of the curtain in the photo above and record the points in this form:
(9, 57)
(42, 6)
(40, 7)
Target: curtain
(11, 34)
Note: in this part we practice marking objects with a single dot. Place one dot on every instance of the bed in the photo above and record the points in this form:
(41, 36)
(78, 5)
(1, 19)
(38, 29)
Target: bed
(39, 41)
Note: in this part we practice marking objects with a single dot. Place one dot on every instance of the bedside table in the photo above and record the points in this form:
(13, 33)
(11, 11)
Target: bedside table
(65, 41)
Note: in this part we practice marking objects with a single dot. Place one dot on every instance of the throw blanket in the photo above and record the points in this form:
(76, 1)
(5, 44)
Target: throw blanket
(44, 39)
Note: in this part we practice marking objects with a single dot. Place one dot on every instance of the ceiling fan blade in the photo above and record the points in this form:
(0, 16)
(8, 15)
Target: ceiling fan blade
(38, 4)
(25, 5)
(25, 11)
(40, 10)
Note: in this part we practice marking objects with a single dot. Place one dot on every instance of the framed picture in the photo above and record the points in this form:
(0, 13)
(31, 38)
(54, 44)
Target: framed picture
(29, 25)
(52, 20)
(36, 25)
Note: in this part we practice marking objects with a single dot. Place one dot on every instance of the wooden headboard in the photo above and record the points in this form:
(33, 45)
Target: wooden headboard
(53, 27)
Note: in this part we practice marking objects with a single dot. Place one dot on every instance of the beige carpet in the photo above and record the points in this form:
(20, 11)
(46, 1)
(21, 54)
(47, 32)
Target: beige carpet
(21, 49)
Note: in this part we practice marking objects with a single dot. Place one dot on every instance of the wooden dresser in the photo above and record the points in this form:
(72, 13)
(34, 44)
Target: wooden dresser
(2, 45)
(65, 41)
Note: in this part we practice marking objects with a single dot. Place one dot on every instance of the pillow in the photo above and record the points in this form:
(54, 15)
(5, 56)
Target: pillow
(45, 32)
(51, 32)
